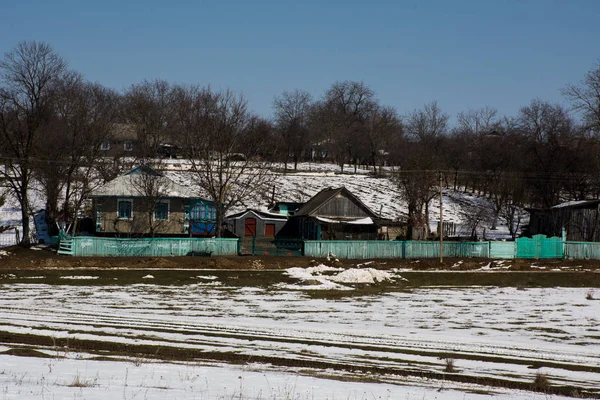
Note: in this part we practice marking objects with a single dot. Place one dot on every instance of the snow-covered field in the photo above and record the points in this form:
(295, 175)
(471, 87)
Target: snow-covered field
(389, 338)
(77, 376)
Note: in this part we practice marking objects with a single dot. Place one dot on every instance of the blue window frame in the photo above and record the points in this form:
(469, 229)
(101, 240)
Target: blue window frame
(161, 212)
(125, 209)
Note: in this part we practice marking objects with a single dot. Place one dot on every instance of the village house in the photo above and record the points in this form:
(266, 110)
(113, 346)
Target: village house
(144, 202)
(124, 141)
(332, 214)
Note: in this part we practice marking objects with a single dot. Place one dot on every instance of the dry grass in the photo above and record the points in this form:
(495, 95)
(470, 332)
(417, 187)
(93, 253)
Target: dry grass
(449, 365)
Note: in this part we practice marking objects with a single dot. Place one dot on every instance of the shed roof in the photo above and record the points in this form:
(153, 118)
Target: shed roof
(258, 213)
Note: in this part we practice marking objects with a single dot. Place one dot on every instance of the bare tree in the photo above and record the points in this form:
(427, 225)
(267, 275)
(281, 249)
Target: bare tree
(291, 119)
(83, 114)
(383, 128)
(419, 157)
(548, 131)
(28, 74)
(346, 106)
(214, 126)
(478, 121)
(148, 106)
(153, 189)
(428, 123)
(585, 98)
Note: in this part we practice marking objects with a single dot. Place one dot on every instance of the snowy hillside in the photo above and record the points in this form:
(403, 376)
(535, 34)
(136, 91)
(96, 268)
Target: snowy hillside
(382, 195)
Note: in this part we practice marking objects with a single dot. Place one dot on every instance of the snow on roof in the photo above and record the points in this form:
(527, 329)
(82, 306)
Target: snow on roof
(361, 221)
(130, 186)
(575, 203)
(260, 214)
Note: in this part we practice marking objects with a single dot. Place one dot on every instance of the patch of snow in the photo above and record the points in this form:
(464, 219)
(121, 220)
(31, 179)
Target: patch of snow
(75, 277)
(208, 278)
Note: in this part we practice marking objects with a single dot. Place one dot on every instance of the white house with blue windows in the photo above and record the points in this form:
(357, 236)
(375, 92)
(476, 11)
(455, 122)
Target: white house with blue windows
(145, 202)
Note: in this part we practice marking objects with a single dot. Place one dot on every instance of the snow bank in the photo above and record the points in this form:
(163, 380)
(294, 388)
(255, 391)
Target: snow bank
(317, 280)
(368, 275)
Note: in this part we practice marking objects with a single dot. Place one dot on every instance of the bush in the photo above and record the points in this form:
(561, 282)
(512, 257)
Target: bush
(541, 382)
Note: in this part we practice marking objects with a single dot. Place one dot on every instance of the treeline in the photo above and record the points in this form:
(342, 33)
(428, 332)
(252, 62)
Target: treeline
(53, 124)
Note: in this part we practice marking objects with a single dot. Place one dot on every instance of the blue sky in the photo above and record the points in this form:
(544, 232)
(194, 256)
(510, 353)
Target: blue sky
(464, 54)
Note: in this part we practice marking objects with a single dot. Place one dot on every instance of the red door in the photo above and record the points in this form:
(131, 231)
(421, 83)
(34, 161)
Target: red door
(250, 227)
(269, 230)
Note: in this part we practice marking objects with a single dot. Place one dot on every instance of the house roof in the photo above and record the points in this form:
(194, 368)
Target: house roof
(566, 205)
(132, 185)
(123, 132)
(258, 213)
(577, 204)
(311, 206)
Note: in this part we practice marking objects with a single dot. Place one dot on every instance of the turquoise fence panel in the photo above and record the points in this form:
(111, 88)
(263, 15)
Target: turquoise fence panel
(420, 249)
(353, 249)
(540, 246)
(83, 246)
(502, 250)
(582, 250)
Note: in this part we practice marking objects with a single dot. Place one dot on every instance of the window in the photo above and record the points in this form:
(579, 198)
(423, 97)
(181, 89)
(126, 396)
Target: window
(161, 211)
(124, 209)
(105, 146)
(128, 145)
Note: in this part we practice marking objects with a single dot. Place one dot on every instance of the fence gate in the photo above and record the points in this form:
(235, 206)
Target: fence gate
(540, 246)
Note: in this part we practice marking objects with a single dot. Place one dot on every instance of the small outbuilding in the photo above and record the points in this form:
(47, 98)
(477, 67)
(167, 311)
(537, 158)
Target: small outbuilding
(255, 223)
(579, 219)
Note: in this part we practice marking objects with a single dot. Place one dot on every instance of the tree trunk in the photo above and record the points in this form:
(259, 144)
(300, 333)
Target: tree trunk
(25, 240)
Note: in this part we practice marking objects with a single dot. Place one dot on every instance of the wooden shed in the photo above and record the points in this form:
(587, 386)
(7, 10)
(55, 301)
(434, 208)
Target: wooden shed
(255, 223)
(580, 220)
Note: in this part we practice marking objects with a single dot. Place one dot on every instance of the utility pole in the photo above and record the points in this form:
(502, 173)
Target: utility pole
(441, 223)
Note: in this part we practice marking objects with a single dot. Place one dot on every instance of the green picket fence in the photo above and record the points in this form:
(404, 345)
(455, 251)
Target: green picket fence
(83, 246)
(537, 247)
(582, 250)
(363, 249)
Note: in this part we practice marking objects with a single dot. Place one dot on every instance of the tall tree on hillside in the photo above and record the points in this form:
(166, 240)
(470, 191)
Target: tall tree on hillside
(383, 128)
(420, 160)
(548, 130)
(585, 97)
(214, 127)
(28, 74)
(344, 110)
(86, 113)
(148, 107)
(291, 120)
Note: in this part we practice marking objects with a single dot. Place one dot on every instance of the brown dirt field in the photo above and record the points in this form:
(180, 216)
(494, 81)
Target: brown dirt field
(22, 258)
